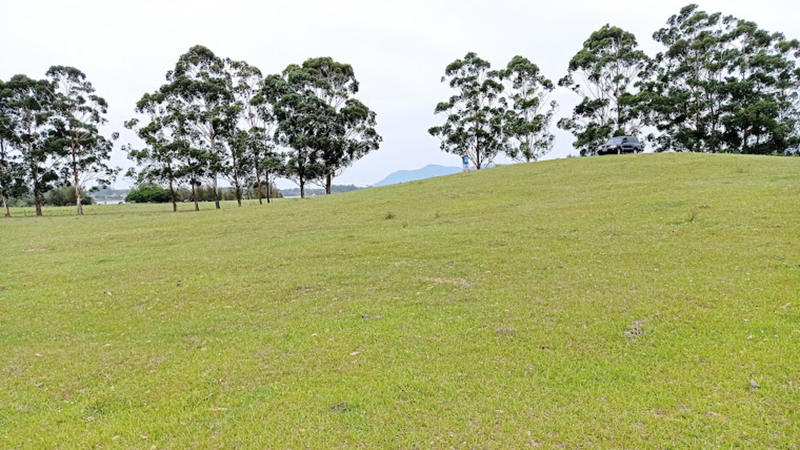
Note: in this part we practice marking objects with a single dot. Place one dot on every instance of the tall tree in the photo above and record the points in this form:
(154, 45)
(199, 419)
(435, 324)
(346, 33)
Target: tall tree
(759, 118)
(352, 133)
(79, 113)
(528, 122)
(241, 152)
(200, 86)
(688, 95)
(304, 123)
(604, 73)
(475, 113)
(164, 138)
(30, 131)
(11, 175)
(258, 118)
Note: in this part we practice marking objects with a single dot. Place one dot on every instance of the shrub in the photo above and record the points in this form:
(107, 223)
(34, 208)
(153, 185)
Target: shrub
(148, 194)
(66, 196)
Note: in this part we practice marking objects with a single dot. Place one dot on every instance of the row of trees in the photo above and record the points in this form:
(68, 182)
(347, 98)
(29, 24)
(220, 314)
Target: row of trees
(150, 193)
(214, 118)
(220, 118)
(721, 84)
(49, 136)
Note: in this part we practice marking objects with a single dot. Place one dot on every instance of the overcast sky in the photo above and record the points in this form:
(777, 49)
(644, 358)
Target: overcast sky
(399, 49)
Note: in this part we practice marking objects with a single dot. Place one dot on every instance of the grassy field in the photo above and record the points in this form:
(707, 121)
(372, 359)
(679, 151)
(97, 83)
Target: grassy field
(613, 302)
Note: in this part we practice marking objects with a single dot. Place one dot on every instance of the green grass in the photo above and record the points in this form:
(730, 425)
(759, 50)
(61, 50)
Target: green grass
(505, 297)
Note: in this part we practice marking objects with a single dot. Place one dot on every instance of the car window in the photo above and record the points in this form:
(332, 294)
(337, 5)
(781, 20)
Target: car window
(623, 140)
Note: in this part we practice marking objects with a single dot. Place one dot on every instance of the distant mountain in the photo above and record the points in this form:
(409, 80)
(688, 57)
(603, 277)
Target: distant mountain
(404, 176)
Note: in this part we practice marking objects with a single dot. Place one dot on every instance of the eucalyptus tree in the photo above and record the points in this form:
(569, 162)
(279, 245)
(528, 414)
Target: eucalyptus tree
(688, 95)
(200, 87)
(29, 130)
(256, 113)
(11, 172)
(529, 119)
(475, 113)
(761, 115)
(304, 127)
(604, 73)
(164, 136)
(79, 113)
(241, 153)
(351, 132)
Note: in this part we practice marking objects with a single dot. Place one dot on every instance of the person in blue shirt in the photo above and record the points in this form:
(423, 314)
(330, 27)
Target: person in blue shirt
(465, 162)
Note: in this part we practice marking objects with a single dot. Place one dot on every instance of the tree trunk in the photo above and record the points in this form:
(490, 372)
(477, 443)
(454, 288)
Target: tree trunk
(194, 197)
(269, 188)
(216, 192)
(258, 184)
(238, 194)
(477, 148)
(328, 181)
(213, 140)
(174, 197)
(236, 183)
(75, 173)
(78, 199)
(302, 188)
(2, 164)
(38, 199)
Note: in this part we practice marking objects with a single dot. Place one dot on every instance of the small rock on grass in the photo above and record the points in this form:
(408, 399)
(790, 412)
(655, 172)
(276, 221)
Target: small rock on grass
(2, 288)
(754, 385)
(365, 316)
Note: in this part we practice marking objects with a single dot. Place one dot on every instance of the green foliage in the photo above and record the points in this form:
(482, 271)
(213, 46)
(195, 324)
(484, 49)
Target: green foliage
(323, 125)
(12, 172)
(200, 90)
(148, 194)
(724, 85)
(604, 73)
(66, 196)
(528, 121)
(256, 142)
(30, 137)
(476, 113)
(79, 113)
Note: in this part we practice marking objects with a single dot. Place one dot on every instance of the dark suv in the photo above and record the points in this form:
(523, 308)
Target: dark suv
(619, 145)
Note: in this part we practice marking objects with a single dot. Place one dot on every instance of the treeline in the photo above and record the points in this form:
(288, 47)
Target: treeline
(219, 118)
(335, 189)
(50, 138)
(150, 193)
(214, 118)
(721, 84)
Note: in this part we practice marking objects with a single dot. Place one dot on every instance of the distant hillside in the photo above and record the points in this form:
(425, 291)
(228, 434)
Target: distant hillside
(430, 171)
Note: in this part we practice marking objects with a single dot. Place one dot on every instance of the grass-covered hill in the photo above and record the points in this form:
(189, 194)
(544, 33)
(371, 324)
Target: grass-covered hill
(644, 301)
